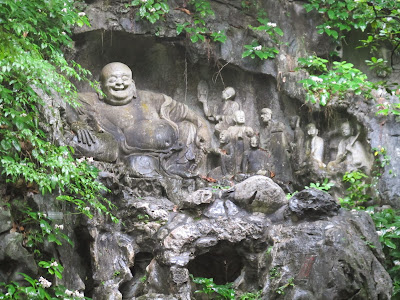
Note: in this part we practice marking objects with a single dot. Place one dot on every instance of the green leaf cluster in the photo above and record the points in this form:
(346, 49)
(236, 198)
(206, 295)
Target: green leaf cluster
(151, 10)
(357, 192)
(255, 49)
(210, 288)
(340, 81)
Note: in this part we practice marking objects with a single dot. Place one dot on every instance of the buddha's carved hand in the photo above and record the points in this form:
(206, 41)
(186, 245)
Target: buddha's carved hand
(86, 137)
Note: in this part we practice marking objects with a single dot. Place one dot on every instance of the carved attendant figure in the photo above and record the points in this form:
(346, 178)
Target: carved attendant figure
(240, 135)
(351, 154)
(315, 146)
(255, 160)
(224, 114)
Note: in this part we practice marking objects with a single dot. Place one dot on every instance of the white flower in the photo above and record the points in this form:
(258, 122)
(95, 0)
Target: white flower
(144, 1)
(54, 263)
(90, 159)
(63, 33)
(271, 24)
(64, 10)
(379, 232)
(397, 263)
(78, 294)
(60, 226)
(152, 9)
(371, 212)
(81, 14)
(259, 47)
(316, 79)
(389, 19)
(328, 27)
(86, 208)
(68, 292)
(44, 282)
(65, 4)
(23, 115)
(79, 160)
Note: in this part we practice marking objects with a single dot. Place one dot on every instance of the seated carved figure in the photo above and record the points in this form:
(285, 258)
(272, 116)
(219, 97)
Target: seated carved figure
(255, 160)
(134, 126)
(351, 154)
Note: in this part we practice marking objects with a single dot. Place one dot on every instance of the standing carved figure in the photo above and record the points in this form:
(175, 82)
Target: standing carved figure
(314, 147)
(240, 135)
(223, 114)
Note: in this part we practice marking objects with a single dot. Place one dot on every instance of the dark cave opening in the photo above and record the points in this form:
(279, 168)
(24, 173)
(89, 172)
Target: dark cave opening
(134, 287)
(222, 263)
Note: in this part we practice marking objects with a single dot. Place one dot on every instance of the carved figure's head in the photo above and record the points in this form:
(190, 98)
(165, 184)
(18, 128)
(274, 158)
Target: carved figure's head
(312, 130)
(266, 115)
(228, 93)
(239, 117)
(254, 142)
(117, 83)
(346, 129)
(224, 137)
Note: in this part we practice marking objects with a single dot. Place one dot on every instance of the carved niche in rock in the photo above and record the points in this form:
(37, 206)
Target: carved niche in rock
(150, 132)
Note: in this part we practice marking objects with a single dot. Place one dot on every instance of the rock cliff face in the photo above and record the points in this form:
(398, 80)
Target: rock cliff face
(241, 229)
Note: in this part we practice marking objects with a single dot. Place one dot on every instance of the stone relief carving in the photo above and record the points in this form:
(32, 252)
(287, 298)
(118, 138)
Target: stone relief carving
(273, 138)
(255, 160)
(223, 114)
(351, 154)
(314, 147)
(240, 135)
(150, 132)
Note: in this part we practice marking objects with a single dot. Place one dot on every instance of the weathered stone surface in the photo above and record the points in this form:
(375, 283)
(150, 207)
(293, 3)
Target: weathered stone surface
(313, 204)
(258, 194)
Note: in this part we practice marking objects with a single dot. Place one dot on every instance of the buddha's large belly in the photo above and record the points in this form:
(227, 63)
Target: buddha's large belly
(151, 134)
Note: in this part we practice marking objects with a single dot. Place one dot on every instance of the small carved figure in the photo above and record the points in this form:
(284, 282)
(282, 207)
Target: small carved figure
(240, 135)
(223, 114)
(265, 134)
(351, 154)
(297, 146)
(227, 154)
(273, 138)
(314, 147)
(137, 127)
(255, 160)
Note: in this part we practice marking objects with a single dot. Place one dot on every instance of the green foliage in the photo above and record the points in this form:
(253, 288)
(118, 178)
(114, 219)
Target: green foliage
(209, 287)
(274, 272)
(256, 49)
(32, 65)
(340, 81)
(40, 289)
(197, 28)
(41, 228)
(356, 194)
(324, 186)
(151, 10)
(281, 290)
(387, 223)
(379, 18)
(251, 296)
(379, 65)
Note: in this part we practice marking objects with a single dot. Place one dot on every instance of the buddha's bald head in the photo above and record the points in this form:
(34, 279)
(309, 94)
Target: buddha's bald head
(117, 83)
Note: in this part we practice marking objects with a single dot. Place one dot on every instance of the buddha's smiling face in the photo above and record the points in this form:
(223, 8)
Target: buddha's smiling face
(117, 84)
